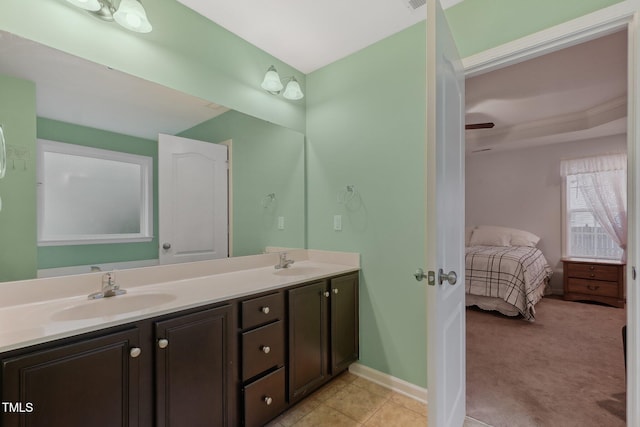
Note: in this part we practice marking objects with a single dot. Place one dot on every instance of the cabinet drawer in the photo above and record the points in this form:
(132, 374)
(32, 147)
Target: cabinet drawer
(262, 348)
(264, 399)
(258, 311)
(592, 287)
(593, 271)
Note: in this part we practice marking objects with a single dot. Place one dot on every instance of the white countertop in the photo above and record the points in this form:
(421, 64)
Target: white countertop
(43, 310)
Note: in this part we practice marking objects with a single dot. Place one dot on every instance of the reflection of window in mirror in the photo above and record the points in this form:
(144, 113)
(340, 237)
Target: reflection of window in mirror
(88, 195)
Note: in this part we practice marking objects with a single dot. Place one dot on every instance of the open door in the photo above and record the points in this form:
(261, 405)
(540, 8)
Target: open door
(445, 224)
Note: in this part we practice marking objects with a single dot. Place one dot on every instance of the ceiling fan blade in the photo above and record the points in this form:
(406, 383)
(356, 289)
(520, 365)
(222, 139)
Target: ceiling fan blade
(487, 125)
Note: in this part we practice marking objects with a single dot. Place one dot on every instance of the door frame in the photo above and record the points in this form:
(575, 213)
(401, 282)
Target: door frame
(625, 14)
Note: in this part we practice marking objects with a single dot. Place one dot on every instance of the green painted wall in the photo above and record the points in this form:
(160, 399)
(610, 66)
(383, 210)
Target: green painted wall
(18, 187)
(478, 25)
(266, 159)
(62, 256)
(185, 51)
(365, 126)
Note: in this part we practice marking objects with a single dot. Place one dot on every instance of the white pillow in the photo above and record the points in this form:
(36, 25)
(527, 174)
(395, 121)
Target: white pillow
(516, 237)
(490, 236)
(523, 238)
(468, 231)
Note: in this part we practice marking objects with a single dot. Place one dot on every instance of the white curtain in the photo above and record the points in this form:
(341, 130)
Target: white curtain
(603, 182)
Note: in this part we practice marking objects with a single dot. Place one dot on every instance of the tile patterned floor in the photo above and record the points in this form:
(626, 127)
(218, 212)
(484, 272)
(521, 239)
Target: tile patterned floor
(350, 400)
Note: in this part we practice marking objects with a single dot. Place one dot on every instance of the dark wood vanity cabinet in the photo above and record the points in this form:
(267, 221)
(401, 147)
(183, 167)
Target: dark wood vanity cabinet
(238, 362)
(193, 369)
(93, 382)
(174, 370)
(323, 332)
(262, 358)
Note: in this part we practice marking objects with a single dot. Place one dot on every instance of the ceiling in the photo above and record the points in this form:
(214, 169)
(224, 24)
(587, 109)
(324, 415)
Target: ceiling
(309, 34)
(572, 94)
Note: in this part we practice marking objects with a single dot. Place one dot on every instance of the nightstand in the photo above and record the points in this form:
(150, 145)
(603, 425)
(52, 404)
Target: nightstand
(594, 280)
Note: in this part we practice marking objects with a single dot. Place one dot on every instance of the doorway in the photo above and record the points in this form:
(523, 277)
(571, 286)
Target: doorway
(595, 25)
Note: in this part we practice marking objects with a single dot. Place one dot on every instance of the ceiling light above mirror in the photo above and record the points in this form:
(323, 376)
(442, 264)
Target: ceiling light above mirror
(128, 13)
(274, 85)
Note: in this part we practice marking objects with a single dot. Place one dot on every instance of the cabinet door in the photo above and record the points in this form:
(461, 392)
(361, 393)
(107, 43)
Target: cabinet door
(90, 383)
(344, 322)
(193, 369)
(308, 338)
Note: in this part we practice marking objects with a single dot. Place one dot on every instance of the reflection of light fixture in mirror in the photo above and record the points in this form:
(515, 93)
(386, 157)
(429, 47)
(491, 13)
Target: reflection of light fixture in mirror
(128, 13)
(274, 85)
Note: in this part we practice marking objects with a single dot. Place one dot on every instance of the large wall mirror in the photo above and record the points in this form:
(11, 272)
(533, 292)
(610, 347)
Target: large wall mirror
(71, 100)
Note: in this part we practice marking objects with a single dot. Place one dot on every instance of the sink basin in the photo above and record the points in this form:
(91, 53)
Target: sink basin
(297, 271)
(111, 306)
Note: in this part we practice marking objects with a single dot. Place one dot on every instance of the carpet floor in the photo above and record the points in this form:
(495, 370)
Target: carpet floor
(565, 369)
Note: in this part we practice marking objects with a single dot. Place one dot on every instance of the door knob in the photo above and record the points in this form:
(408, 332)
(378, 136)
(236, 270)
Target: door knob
(166, 246)
(450, 277)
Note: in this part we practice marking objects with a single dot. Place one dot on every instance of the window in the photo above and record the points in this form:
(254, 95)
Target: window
(88, 195)
(595, 207)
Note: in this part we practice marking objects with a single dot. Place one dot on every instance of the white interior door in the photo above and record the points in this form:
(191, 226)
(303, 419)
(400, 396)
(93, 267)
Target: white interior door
(445, 224)
(193, 200)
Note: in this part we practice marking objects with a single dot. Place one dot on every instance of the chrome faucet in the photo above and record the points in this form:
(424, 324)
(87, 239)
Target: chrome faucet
(284, 262)
(109, 287)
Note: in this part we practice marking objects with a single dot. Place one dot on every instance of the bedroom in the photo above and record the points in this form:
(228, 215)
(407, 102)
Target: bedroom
(566, 105)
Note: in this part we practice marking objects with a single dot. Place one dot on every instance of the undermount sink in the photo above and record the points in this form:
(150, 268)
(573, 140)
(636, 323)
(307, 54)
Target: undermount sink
(296, 271)
(111, 306)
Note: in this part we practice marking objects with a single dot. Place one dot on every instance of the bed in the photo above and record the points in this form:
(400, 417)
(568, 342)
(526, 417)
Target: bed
(505, 273)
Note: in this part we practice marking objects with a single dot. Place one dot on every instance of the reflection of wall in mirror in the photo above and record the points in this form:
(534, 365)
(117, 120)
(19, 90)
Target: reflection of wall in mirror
(265, 155)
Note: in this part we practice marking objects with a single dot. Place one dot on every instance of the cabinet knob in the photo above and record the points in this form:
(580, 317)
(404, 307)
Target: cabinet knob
(163, 343)
(326, 294)
(592, 275)
(265, 309)
(591, 267)
(265, 349)
(267, 400)
(135, 352)
(335, 291)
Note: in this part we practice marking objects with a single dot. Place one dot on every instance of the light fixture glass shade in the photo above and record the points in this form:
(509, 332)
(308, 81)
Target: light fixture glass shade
(293, 91)
(272, 81)
(132, 16)
(91, 5)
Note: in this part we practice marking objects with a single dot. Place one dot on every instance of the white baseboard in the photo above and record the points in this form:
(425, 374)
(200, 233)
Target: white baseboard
(390, 382)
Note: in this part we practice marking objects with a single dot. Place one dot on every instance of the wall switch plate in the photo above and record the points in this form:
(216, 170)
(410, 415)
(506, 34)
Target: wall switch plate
(280, 223)
(337, 222)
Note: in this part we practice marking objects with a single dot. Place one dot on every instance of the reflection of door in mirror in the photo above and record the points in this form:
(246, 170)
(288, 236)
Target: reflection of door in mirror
(193, 200)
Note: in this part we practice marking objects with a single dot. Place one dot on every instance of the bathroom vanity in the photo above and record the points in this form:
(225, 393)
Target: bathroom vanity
(234, 348)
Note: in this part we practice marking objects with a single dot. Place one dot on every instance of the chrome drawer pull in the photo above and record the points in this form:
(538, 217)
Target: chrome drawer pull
(265, 349)
(265, 310)
(268, 400)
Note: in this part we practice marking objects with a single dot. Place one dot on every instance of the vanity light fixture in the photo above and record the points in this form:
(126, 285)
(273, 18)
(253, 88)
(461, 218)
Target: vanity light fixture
(274, 85)
(128, 13)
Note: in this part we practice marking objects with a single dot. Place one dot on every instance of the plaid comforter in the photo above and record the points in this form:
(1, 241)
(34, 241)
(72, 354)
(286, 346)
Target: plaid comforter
(512, 273)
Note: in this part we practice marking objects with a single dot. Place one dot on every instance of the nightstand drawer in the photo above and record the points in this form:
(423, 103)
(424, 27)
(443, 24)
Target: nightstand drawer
(592, 287)
(593, 271)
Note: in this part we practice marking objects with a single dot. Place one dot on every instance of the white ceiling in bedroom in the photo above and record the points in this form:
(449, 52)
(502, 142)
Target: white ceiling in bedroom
(572, 94)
